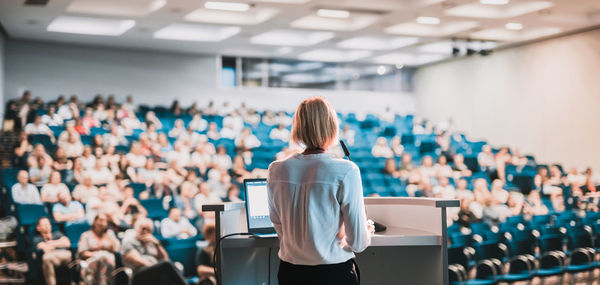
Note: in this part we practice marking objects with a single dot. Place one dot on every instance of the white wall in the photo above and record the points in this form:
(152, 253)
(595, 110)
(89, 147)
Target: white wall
(155, 78)
(543, 98)
(2, 44)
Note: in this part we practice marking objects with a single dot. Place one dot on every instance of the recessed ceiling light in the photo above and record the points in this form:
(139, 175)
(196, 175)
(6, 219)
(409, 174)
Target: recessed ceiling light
(514, 26)
(333, 55)
(90, 26)
(227, 6)
(377, 42)
(330, 13)
(196, 33)
(399, 66)
(428, 20)
(494, 2)
(381, 70)
(291, 37)
(284, 50)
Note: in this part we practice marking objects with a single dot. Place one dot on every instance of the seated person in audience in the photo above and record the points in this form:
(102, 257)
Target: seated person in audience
(61, 161)
(390, 168)
(396, 146)
(39, 172)
(52, 119)
(222, 160)
(115, 137)
(415, 183)
(69, 131)
(201, 158)
(151, 134)
(233, 194)
(22, 151)
(66, 210)
(39, 128)
(283, 119)
(100, 173)
(191, 137)
(516, 203)
(205, 196)
(159, 189)
(100, 113)
(228, 132)
(176, 225)
(178, 129)
(426, 170)
(280, 133)
(534, 205)
(518, 159)
(88, 159)
(88, 121)
(55, 247)
(252, 118)
(80, 128)
(131, 206)
(39, 151)
(151, 118)
(50, 191)
(135, 158)
(148, 174)
(575, 177)
(23, 192)
(225, 109)
(179, 155)
(72, 146)
(269, 118)
(347, 135)
(481, 195)
(235, 121)
(218, 181)
(198, 123)
(238, 171)
(143, 253)
(381, 149)
(555, 176)
(487, 161)
(86, 190)
(459, 167)
(213, 131)
(206, 266)
(503, 157)
(442, 169)
(443, 142)
(461, 190)
(97, 247)
(176, 174)
(500, 195)
(406, 165)
(130, 123)
(466, 216)
(444, 189)
(185, 200)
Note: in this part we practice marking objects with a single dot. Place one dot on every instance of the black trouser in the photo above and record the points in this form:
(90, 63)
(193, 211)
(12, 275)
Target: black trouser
(327, 274)
(163, 272)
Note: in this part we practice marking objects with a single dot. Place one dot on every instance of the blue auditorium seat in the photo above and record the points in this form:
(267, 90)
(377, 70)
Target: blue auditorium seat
(74, 231)
(28, 214)
(155, 208)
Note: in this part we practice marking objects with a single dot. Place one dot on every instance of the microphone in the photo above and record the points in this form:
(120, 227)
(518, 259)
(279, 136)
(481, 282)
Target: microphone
(378, 227)
(346, 152)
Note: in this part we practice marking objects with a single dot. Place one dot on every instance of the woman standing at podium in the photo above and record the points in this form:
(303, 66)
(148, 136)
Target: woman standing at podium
(316, 204)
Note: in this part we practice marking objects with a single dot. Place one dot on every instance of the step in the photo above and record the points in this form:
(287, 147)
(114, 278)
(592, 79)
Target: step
(12, 280)
(9, 243)
(20, 267)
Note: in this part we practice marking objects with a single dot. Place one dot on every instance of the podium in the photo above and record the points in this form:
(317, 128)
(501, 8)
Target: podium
(412, 250)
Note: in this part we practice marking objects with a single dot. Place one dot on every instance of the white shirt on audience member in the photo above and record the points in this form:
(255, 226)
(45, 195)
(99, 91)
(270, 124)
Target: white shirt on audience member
(170, 228)
(26, 195)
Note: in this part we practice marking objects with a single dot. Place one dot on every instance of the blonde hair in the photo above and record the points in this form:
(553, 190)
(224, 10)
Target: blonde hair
(315, 123)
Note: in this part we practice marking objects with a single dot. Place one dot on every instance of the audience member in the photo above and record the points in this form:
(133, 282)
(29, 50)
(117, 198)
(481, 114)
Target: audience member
(55, 247)
(381, 149)
(176, 225)
(206, 266)
(23, 192)
(50, 191)
(97, 247)
(143, 253)
(66, 210)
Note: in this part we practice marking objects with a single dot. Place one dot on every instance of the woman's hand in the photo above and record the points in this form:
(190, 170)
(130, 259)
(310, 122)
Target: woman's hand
(370, 227)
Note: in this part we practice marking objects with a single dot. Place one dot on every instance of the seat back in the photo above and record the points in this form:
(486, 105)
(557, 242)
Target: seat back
(28, 214)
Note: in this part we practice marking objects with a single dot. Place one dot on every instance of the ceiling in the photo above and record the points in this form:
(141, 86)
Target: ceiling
(408, 32)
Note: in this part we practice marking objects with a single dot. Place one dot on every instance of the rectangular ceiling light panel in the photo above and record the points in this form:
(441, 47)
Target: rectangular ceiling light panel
(120, 8)
(377, 43)
(441, 30)
(252, 17)
(333, 55)
(511, 10)
(196, 33)
(290, 37)
(90, 26)
(352, 23)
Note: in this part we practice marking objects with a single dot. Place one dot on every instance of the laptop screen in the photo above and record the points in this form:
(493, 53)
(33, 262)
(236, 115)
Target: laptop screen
(257, 204)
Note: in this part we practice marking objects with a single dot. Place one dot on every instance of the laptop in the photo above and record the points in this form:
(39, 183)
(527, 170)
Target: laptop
(257, 208)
